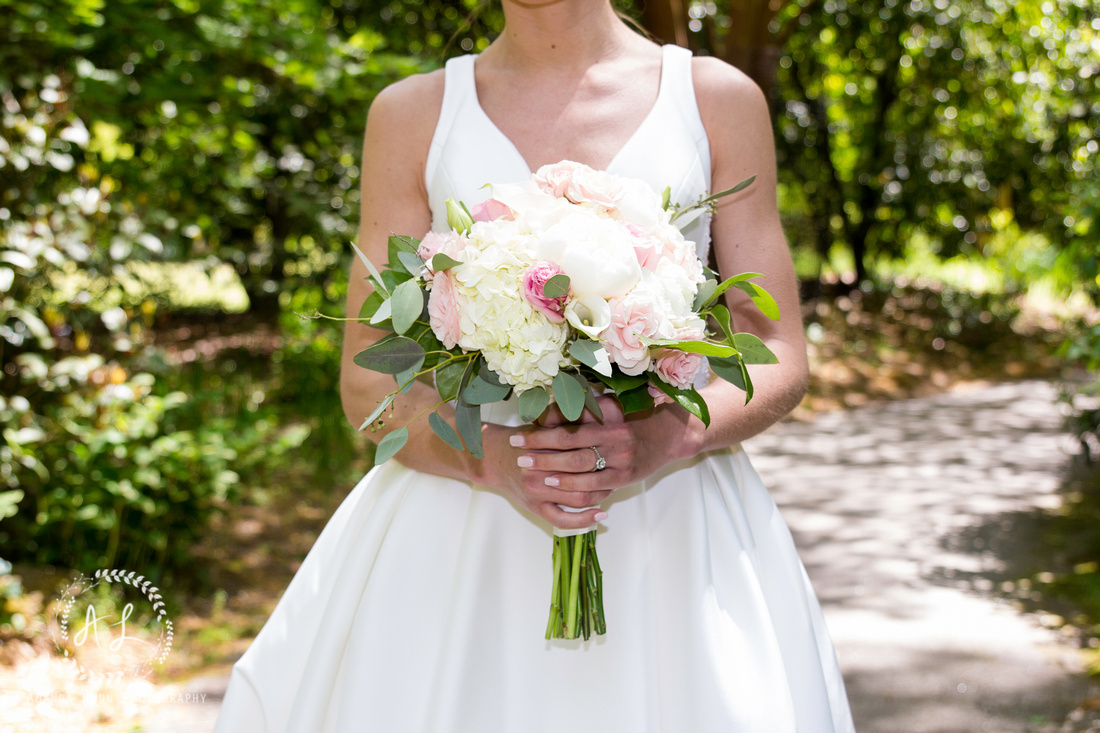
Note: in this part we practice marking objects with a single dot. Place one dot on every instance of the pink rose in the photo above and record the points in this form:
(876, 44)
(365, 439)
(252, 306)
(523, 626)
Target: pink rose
(491, 210)
(433, 243)
(534, 280)
(632, 316)
(659, 397)
(648, 248)
(580, 184)
(443, 310)
(679, 368)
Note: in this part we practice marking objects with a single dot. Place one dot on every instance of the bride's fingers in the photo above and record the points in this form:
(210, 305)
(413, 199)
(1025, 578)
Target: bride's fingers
(540, 492)
(570, 520)
(582, 460)
(570, 437)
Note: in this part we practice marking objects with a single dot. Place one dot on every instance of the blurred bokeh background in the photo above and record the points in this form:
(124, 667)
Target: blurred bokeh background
(179, 183)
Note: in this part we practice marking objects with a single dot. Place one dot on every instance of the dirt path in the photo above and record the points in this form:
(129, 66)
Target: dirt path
(890, 506)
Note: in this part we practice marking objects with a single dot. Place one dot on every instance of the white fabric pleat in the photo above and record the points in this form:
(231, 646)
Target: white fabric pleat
(422, 606)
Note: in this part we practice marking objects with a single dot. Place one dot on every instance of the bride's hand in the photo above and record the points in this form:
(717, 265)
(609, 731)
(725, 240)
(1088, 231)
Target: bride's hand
(558, 454)
(502, 470)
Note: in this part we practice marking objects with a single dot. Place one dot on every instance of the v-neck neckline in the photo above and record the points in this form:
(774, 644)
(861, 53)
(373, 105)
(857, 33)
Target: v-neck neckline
(662, 91)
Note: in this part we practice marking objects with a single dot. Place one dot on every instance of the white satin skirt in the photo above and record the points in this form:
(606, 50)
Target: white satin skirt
(422, 608)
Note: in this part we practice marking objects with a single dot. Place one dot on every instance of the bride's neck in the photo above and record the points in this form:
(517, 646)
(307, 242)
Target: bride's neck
(566, 34)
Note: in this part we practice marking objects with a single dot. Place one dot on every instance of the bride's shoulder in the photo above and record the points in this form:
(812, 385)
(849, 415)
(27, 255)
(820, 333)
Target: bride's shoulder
(408, 109)
(733, 107)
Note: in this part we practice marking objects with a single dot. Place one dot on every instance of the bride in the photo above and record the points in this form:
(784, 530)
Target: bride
(423, 603)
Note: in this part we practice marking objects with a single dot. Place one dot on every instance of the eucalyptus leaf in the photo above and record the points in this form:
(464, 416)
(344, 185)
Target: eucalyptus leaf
(532, 403)
(406, 379)
(410, 261)
(395, 246)
(557, 286)
(706, 290)
(377, 412)
(387, 447)
(441, 262)
(448, 377)
(468, 419)
(371, 304)
(480, 392)
(382, 313)
(569, 395)
(377, 276)
(590, 401)
(753, 350)
(391, 355)
(407, 303)
(444, 430)
(489, 375)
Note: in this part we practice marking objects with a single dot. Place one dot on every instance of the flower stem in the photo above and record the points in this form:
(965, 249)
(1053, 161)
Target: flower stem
(574, 588)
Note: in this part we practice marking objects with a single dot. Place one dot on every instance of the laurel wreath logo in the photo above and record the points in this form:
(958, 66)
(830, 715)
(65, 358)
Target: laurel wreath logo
(141, 583)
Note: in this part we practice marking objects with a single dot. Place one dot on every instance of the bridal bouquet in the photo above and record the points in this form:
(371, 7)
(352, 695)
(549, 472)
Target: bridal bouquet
(573, 283)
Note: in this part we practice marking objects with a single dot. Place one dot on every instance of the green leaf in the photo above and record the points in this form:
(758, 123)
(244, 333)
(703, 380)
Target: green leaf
(395, 246)
(729, 283)
(556, 287)
(636, 400)
(532, 403)
(379, 281)
(739, 187)
(590, 401)
(441, 262)
(753, 350)
(620, 383)
(706, 348)
(569, 395)
(389, 445)
(733, 371)
(458, 218)
(584, 351)
(371, 304)
(444, 430)
(706, 290)
(391, 355)
(722, 314)
(378, 411)
(468, 419)
(489, 375)
(689, 399)
(448, 378)
(407, 303)
(406, 379)
(666, 197)
(480, 392)
(762, 298)
(411, 262)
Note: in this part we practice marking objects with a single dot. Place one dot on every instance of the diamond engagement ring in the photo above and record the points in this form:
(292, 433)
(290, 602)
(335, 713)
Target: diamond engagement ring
(601, 463)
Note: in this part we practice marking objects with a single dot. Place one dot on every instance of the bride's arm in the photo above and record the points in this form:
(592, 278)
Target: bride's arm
(394, 200)
(747, 237)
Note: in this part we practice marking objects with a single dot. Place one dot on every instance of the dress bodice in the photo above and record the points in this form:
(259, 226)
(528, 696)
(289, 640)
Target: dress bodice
(669, 148)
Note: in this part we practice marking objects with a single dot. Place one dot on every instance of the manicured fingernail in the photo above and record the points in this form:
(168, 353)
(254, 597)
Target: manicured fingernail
(600, 516)
(516, 441)
(525, 461)
(553, 481)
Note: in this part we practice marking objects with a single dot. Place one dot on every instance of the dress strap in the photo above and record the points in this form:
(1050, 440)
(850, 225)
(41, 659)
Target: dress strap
(458, 79)
(682, 95)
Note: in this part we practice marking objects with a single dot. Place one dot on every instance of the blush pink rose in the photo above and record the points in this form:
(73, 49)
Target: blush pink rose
(443, 310)
(679, 368)
(648, 248)
(449, 243)
(632, 316)
(659, 397)
(491, 210)
(554, 178)
(534, 280)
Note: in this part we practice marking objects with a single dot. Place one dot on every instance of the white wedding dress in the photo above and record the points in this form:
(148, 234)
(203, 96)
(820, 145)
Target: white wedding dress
(423, 604)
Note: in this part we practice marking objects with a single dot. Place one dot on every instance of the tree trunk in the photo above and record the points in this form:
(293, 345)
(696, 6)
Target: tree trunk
(666, 20)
